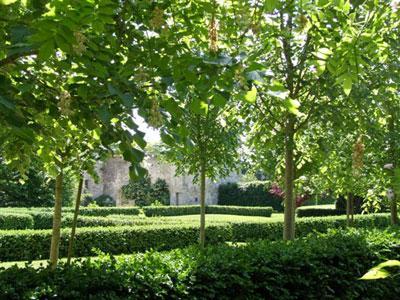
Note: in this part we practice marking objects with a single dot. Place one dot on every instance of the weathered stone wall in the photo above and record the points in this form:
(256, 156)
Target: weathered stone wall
(114, 173)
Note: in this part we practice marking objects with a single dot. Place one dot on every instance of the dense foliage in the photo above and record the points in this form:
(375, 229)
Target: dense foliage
(143, 192)
(33, 244)
(318, 212)
(255, 193)
(35, 188)
(253, 271)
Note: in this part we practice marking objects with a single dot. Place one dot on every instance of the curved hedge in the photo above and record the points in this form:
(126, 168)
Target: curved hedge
(152, 211)
(34, 244)
(318, 267)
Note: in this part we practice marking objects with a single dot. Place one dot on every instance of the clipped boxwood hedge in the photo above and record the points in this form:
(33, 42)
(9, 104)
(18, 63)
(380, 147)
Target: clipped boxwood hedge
(318, 212)
(105, 211)
(152, 211)
(324, 266)
(34, 244)
(239, 210)
(15, 221)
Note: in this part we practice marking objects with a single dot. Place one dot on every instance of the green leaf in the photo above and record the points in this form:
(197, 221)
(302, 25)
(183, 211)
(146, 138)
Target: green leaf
(218, 99)
(270, 5)
(46, 50)
(198, 107)
(347, 84)
(7, 2)
(251, 95)
(378, 272)
(7, 103)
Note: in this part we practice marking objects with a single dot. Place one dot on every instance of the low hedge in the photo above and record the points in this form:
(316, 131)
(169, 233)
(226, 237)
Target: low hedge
(239, 210)
(84, 211)
(152, 211)
(15, 221)
(318, 212)
(324, 266)
(105, 211)
(34, 244)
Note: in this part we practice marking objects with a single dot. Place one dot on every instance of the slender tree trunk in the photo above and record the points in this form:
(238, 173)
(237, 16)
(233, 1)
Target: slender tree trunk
(202, 205)
(55, 237)
(75, 220)
(392, 156)
(289, 201)
(350, 209)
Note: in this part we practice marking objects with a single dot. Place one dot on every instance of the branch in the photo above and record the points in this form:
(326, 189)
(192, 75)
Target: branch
(272, 127)
(13, 57)
(270, 112)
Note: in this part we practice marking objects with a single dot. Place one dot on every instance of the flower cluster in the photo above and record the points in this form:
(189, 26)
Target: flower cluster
(65, 103)
(155, 119)
(277, 191)
(358, 155)
(157, 18)
(79, 47)
(213, 35)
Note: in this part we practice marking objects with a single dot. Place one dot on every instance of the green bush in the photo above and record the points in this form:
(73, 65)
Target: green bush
(15, 221)
(318, 212)
(256, 193)
(152, 211)
(34, 244)
(324, 266)
(144, 193)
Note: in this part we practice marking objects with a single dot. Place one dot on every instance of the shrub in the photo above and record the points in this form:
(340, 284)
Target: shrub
(323, 266)
(104, 200)
(256, 193)
(144, 193)
(15, 221)
(318, 212)
(34, 244)
(210, 209)
(160, 191)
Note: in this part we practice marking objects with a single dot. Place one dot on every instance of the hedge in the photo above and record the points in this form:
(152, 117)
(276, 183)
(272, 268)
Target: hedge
(254, 193)
(34, 244)
(239, 210)
(318, 212)
(324, 266)
(84, 211)
(152, 211)
(15, 221)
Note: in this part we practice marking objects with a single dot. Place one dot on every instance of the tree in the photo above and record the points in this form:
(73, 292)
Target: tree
(302, 51)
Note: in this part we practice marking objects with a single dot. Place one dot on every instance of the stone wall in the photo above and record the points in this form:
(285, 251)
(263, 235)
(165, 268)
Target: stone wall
(114, 173)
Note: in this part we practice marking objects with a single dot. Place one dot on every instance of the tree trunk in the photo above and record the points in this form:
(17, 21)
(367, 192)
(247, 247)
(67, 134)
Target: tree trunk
(75, 220)
(289, 201)
(202, 205)
(55, 237)
(394, 218)
(350, 209)
(392, 157)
